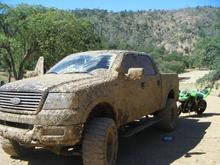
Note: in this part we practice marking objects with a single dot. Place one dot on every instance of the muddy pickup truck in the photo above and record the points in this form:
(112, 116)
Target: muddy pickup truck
(84, 102)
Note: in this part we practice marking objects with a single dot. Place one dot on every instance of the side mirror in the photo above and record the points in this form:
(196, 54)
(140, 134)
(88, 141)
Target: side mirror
(39, 69)
(135, 73)
(119, 70)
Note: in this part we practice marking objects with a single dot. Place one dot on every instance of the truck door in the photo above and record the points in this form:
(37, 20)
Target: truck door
(132, 90)
(152, 85)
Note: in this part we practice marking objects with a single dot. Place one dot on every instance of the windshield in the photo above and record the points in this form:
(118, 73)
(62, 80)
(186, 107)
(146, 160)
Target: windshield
(82, 63)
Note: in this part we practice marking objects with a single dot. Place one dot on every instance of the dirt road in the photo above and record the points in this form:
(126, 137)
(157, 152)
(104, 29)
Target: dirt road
(196, 141)
(191, 76)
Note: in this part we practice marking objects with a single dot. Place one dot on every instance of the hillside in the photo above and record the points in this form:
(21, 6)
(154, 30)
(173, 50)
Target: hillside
(169, 36)
(174, 30)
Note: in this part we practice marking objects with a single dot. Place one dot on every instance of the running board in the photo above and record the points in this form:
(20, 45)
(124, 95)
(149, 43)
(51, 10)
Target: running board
(135, 127)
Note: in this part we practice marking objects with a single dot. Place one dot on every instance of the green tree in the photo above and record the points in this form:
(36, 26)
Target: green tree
(207, 53)
(27, 32)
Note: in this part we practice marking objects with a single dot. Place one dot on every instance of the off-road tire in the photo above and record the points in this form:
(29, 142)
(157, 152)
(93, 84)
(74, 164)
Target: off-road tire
(168, 116)
(14, 149)
(100, 142)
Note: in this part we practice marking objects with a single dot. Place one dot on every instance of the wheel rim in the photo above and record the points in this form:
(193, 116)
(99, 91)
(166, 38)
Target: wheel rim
(111, 146)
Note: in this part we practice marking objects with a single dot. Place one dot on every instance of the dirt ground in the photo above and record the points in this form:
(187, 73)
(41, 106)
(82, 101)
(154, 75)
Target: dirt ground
(196, 141)
(191, 76)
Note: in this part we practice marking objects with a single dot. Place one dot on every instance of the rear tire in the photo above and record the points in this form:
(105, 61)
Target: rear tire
(201, 107)
(14, 149)
(168, 116)
(100, 143)
(179, 108)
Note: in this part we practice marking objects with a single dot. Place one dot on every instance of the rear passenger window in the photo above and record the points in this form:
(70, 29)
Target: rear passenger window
(147, 64)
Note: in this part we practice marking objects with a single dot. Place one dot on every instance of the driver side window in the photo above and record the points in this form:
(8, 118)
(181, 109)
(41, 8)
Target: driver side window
(130, 61)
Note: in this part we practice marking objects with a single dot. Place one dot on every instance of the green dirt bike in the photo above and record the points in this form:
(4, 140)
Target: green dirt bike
(192, 101)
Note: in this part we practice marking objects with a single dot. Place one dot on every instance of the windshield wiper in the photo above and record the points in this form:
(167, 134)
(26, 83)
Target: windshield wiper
(52, 73)
(77, 72)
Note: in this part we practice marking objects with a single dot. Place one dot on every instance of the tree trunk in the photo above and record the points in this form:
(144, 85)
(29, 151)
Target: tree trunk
(21, 67)
(26, 56)
(12, 63)
(9, 75)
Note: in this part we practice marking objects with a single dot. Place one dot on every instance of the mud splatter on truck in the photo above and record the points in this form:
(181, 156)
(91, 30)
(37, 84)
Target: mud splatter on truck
(81, 103)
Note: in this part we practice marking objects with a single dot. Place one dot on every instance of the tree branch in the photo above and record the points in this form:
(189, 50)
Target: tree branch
(28, 53)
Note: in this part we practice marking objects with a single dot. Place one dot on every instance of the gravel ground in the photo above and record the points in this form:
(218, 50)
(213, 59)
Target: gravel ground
(196, 141)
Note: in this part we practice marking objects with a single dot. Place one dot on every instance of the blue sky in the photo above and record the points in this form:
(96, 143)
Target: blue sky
(118, 5)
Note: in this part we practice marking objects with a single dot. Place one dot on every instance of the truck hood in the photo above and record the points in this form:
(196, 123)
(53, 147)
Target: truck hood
(52, 82)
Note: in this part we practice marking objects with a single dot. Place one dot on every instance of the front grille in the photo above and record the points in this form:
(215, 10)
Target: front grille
(28, 102)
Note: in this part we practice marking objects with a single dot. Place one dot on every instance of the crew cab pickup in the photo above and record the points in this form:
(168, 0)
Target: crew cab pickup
(82, 103)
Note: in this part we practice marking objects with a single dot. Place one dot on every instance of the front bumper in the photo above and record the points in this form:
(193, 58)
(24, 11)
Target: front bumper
(44, 135)
(48, 128)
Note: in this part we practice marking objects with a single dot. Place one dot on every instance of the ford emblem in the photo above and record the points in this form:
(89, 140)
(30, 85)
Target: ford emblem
(15, 101)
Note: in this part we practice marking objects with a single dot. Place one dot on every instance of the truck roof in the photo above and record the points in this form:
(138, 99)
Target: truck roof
(117, 52)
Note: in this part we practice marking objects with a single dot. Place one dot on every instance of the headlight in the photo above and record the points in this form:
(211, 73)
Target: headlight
(61, 101)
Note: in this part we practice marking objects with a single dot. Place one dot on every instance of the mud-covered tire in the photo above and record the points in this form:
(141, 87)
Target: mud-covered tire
(100, 142)
(168, 116)
(14, 149)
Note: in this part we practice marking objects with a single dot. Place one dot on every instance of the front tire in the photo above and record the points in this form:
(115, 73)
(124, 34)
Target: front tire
(168, 116)
(100, 143)
(14, 149)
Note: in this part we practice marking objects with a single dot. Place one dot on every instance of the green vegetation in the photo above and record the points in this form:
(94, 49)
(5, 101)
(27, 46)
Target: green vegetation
(174, 30)
(169, 36)
(207, 53)
(173, 63)
(176, 39)
(26, 32)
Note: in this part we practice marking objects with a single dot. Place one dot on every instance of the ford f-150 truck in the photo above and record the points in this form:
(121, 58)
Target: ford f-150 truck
(82, 103)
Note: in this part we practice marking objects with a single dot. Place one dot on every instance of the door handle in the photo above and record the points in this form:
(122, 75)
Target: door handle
(158, 82)
(142, 84)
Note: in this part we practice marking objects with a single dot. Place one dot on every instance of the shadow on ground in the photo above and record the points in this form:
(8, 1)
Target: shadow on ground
(149, 148)
(204, 115)
(144, 148)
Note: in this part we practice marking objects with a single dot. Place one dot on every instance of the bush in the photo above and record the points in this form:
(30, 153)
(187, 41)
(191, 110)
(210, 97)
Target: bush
(171, 66)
